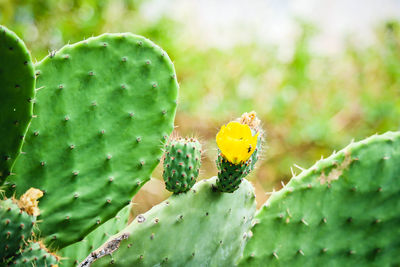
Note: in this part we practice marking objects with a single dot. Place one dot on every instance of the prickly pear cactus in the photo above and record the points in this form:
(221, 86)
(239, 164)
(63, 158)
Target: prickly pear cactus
(35, 254)
(103, 109)
(203, 227)
(17, 84)
(343, 211)
(15, 228)
(182, 161)
(77, 252)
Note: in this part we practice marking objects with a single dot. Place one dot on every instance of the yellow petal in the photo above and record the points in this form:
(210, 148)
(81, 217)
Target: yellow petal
(236, 142)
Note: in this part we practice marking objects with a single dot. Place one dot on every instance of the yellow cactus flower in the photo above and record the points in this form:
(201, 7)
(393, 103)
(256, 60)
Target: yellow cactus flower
(236, 142)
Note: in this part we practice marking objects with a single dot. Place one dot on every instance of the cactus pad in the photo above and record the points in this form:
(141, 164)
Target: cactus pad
(182, 161)
(17, 84)
(35, 255)
(77, 252)
(343, 211)
(105, 108)
(15, 228)
(212, 232)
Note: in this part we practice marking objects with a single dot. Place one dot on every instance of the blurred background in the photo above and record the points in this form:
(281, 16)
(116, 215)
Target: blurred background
(318, 73)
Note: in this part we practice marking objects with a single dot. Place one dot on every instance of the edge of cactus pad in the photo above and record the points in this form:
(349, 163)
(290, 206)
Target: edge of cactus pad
(17, 89)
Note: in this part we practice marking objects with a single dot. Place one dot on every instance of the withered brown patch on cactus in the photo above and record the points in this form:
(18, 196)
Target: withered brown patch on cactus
(29, 201)
(335, 173)
(108, 248)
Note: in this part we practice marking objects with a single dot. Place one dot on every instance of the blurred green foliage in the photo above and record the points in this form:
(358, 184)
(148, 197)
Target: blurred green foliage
(310, 104)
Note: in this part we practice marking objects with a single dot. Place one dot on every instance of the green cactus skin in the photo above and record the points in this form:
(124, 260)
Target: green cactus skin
(15, 228)
(343, 211)
(35, 255)
(77, 252)
(17, 86)
(230, 175)
(203, 227)
(182, 161)
(105, 108)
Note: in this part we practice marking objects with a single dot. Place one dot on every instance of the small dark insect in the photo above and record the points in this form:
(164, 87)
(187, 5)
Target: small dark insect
(249, 149)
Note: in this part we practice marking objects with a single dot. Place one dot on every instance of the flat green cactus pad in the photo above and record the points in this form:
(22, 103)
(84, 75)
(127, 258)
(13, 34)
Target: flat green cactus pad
(105, 108)
(343, 211)
(201, 227)
(17, 85)
(77, 252)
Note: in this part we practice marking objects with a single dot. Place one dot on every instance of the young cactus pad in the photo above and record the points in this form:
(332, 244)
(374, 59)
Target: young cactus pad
(17, 85)
(203, 227)
(15, 228)
(343, 211)
(77, 252)
(17, 220)
(105, 108)
(182, 161)
(35, 254)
